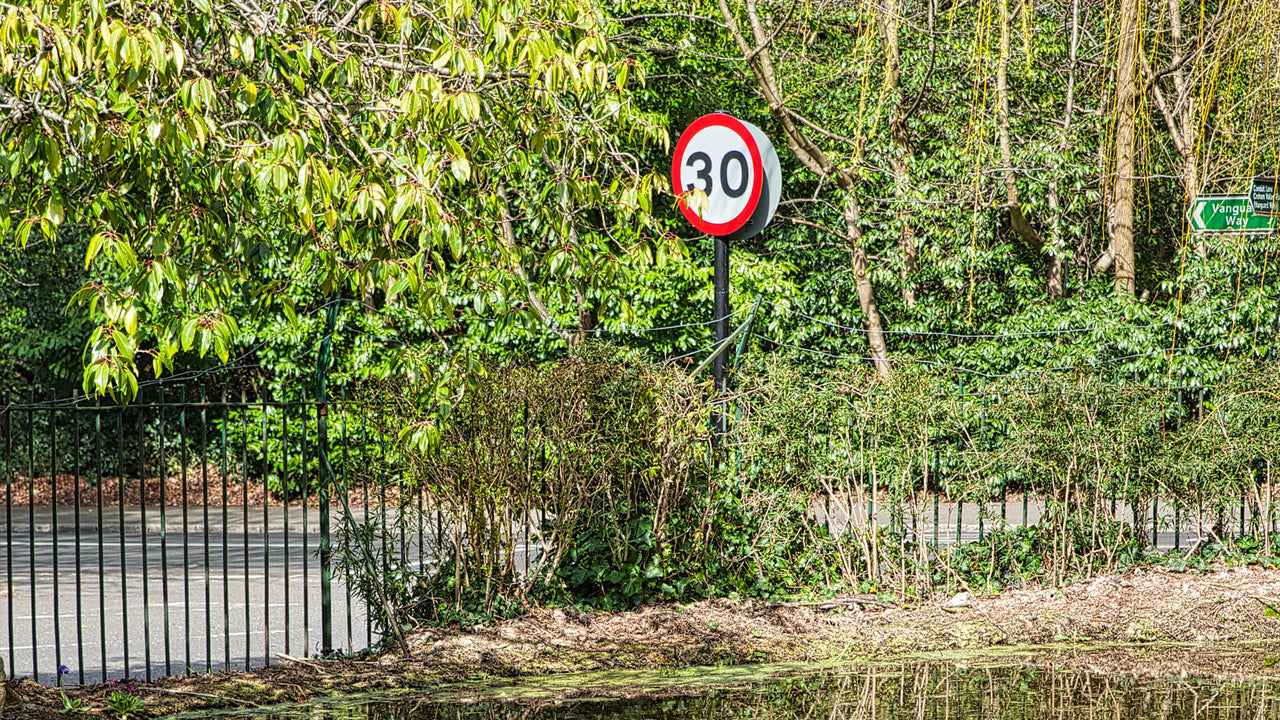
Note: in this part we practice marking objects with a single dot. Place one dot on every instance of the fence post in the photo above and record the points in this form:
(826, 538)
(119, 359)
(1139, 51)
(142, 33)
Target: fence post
(327, 482)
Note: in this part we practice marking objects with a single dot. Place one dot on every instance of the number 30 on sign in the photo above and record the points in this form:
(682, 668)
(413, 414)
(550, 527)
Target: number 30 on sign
(725, 173)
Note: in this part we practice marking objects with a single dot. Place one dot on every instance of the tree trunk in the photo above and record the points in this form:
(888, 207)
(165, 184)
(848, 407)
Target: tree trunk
(1055, 243)
(890, 20)
(1180, 114)
(1013, 203)
(1126, 111)
(517, 267)
(1057, 247)
(1084, 249)
(7, 696)
(759, 60)
(1186, 104)
(907, 231)
(866, 293)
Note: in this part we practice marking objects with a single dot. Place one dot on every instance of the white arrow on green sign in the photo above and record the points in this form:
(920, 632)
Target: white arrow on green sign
(1227, 214)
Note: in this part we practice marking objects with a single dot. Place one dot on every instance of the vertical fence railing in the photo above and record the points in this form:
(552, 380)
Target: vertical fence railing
(196, 521)
(172, 535)
(1158, 515)
(8, 531)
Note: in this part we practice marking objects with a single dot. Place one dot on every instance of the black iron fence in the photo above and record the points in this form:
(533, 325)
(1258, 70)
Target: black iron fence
(186, 533)
(179, 534)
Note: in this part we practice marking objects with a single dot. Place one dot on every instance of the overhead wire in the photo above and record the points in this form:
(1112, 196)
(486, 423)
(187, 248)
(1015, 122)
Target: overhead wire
(664, 328)
(237, 362)
(1002, 336)
(699, 351)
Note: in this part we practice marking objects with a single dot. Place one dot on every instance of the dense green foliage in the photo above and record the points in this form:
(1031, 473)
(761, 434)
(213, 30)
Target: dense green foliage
(40, 337)
(467, 162)
(971, 273)
(601, 462)
(1102, 456)
(233, 171)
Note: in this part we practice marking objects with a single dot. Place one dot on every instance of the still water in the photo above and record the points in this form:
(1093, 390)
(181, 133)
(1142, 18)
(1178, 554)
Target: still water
(917, 691)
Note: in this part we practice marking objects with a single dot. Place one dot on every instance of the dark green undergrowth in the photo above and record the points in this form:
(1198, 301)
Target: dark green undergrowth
(602, 466)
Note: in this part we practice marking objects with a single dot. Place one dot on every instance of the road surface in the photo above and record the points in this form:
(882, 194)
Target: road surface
(249, 592)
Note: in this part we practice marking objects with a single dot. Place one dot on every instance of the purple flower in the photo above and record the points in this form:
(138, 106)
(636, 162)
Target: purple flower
(63, 670)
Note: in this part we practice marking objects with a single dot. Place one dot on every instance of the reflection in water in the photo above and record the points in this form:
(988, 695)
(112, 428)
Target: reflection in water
(911, 692)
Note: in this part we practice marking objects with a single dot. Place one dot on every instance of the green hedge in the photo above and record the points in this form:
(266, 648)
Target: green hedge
(610, 459)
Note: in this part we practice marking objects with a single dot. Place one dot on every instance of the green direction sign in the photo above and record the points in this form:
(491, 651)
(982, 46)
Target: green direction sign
(1227, 214)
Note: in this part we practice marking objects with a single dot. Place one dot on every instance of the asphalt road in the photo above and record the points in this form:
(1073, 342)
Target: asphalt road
(162, 603)
(948, 523)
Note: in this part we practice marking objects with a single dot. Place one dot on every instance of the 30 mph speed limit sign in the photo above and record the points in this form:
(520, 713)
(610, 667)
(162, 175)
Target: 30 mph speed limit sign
(725, 173)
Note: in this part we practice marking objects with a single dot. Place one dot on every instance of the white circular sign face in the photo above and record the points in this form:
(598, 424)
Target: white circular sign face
(770, 192)
(718, 174)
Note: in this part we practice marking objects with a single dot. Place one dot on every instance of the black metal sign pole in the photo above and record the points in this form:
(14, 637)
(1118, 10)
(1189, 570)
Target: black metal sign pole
(733, 163)
(721, 317)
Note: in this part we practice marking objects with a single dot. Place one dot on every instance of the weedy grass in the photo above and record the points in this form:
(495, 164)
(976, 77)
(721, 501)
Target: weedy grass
(602, 466)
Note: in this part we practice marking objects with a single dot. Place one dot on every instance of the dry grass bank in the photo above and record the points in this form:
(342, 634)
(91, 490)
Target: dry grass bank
(1150, 622)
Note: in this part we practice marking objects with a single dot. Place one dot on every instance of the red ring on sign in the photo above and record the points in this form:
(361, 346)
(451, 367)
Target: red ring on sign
(757, 173)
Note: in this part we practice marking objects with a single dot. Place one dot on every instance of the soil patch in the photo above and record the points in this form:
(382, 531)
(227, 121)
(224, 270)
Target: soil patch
(1228, 605)
(1144, 622)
